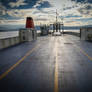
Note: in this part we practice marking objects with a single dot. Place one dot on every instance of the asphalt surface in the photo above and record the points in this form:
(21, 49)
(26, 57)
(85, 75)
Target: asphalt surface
(50, 64)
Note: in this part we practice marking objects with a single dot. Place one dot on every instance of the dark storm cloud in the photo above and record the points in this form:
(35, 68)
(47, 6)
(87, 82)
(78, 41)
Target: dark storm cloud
(88, 7)
(83, 1)
(67, 8)
(85, 10)
(28, 4)
(45, 4)
(10, 5)
(20, 4)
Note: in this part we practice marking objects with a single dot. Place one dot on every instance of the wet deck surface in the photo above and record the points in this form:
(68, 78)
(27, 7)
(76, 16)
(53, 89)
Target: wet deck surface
(50, 64)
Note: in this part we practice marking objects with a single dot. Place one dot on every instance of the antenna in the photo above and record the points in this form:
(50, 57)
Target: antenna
(56, 16)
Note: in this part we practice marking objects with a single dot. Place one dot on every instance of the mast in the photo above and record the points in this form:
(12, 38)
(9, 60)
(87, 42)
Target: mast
(56, 15)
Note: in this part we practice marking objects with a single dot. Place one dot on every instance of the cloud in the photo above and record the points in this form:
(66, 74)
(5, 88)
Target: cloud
(41, 19)
(86, 9)
(15, 13)
(17, 3)
(37, 3)
(83, 1)
(44, 4)
(2, 9)
(12, 22)
(73, 11)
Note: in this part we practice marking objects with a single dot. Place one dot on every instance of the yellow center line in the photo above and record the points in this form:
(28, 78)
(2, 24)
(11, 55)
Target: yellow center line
(83, 52)
(18, 62)
(56, 71)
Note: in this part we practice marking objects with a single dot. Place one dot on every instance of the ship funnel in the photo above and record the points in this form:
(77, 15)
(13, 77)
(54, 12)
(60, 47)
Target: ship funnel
(29, 22)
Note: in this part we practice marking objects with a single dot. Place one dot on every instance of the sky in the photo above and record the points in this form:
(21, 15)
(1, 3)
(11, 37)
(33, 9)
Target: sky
(73, 12)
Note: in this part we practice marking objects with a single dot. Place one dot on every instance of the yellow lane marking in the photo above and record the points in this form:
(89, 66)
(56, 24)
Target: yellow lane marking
(56, 71)
(83, 52)
(18, 62)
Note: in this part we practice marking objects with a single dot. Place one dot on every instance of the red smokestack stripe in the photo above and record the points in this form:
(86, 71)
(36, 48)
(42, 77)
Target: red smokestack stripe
(29, 22)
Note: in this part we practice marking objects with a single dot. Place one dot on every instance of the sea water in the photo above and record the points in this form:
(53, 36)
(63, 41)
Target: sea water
(9, 34)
